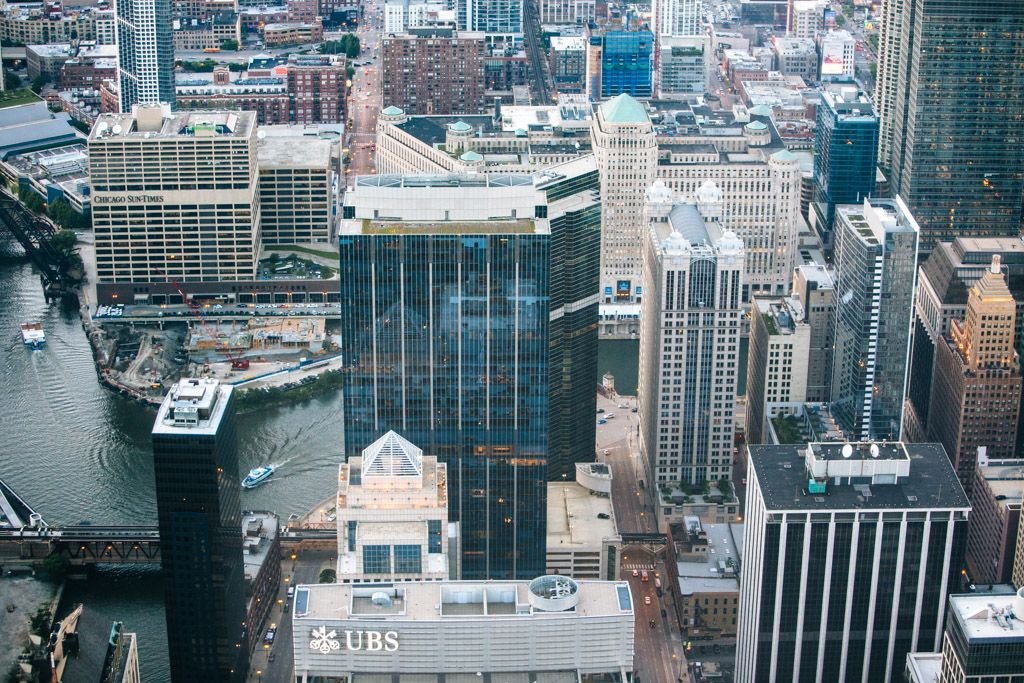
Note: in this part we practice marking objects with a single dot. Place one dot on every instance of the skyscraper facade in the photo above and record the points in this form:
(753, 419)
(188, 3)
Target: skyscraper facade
(846, 149)
(471, 329)
(950, 75)
(145, 53)
(627, 63)
(976, 387)
(626, 152)
(677, 17)
(849, 553)
(490, 16)
(195, 463)
(875, 272)
(689, 335)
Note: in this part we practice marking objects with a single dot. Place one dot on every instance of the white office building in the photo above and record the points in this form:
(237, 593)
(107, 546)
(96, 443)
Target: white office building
(849, 553)
(838, 51)
(677, 17)
(689, 332)
(805, 18)
(566, 11)
(175, 195)
(392, 514)
(552, 629)
(624, 145)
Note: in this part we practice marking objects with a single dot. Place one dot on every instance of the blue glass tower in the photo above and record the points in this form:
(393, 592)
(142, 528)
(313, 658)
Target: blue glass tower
(846, 153)
(627, 63)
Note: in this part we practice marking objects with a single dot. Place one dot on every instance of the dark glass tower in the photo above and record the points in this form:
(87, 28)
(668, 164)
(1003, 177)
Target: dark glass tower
(955, 95)
(145, 53)
(195, 461)
(471, 329)
(846, 152)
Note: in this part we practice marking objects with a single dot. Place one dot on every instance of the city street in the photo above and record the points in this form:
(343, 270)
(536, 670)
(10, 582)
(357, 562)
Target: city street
(304, 569)
(364, 102)
(659, 648)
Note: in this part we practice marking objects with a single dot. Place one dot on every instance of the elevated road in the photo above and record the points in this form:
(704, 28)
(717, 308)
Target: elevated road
(531, 37)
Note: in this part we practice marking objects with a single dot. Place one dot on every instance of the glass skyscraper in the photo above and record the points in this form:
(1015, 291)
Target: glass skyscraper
(626, 63)
(846, 152)
(875, 272)
(952, 87)
(145, 53)
(471, 330)
(195, 462)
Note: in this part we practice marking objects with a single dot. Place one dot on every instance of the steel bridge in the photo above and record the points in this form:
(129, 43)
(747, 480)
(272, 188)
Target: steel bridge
(35, 235)
(88, 544)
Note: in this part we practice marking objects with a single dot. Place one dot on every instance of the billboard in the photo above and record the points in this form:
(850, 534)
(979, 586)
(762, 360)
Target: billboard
(832, 58)
(622, 289)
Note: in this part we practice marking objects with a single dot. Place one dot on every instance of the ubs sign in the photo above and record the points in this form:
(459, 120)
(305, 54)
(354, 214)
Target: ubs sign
(372, 641)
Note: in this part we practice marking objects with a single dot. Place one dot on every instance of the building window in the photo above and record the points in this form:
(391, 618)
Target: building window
(407, 559)
(433, 536)
(377, 559)
(352, 536)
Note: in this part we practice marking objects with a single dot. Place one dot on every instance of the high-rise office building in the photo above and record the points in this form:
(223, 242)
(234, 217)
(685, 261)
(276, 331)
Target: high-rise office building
(682, 65)
(944, 282)
(627, 63)
(566, 11)
(689, 331)
(195, 462)
(392, 514)
(145, 53)
(849, 553)
(950, 93)
(875, 272)
(983, 641)
(472, 330)
(805, 18)
(815, 289)
(777, 364)
(976, 385)
(490, 16)
(992, 535)
(297, 178)
(846, 148)
(626, 151)
(677, 17)
(174, 195)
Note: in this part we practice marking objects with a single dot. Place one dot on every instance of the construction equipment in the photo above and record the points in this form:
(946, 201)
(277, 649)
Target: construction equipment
(198, 310)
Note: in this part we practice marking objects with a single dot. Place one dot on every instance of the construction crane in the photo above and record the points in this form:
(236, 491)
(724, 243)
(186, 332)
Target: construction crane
(197, 309)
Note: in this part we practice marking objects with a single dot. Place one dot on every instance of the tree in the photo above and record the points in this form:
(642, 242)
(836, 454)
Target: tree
(348, 45)
(12, 80)
(349, 72)
(229, 44)
(328, 576)
(38, 83)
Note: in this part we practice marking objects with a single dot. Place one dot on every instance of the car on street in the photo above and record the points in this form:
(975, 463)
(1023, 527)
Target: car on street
(602, 422)
(644, 576)
(664, 613)
(647, 599)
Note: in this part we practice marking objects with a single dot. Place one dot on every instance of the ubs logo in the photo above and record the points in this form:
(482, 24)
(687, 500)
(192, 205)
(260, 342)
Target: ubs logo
(372, 641)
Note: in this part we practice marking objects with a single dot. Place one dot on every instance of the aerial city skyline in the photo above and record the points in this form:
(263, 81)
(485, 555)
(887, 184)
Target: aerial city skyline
(536, 341)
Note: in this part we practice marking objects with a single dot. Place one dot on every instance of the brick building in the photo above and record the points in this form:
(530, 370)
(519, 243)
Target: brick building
(436, 72)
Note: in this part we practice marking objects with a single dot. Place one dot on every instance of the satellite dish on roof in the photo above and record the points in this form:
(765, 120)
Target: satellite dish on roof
(117, 129)
(847, 450)
(261, 134)
(874, 450)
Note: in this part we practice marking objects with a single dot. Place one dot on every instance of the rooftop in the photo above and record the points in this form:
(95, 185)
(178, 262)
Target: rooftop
(294, 152)
(443, 600)
(1005, 479)
(259, 529)
(157, 121)
(624, 109)
(989, 618)
(921, 477)
(193, 406)
(574, 518)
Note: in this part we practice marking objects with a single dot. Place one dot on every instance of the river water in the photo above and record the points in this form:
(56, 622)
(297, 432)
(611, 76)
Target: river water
(78, 452)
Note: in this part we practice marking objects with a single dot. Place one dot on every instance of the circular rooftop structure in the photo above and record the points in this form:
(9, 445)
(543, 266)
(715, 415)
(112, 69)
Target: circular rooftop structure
(460, 127)
(393, 111)
(554, 593)
(471, 157)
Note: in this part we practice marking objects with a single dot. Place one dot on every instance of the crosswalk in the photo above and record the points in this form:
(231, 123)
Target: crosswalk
(642, 565)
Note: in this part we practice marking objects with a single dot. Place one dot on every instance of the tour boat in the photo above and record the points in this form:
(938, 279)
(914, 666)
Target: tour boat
(257, 476)
(33, 335)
